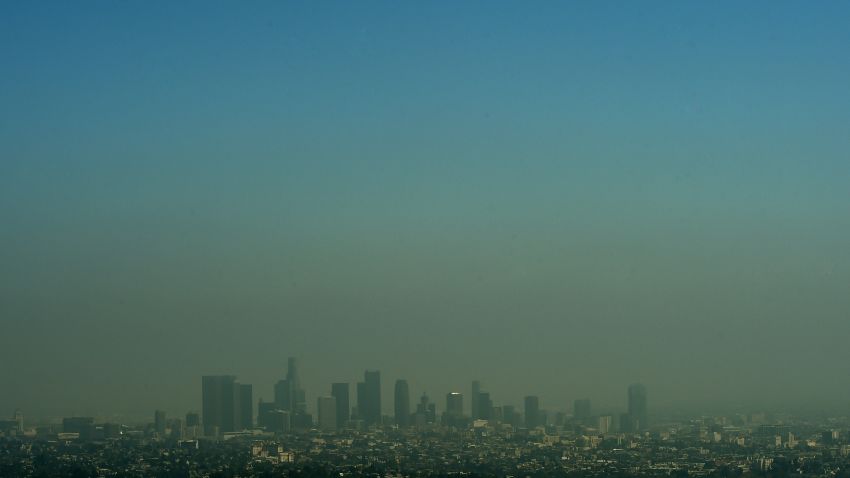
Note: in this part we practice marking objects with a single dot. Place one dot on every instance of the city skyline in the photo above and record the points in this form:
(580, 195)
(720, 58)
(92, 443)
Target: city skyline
(555, 199)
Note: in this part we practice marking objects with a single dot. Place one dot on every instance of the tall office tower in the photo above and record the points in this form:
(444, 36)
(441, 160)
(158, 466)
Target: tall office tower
(220, 397)
(343, 407)
(281, 395)
(246, 406)
(19, 420)
(485, 406)
(605, 423)
(454, 404)
(509, 415)
(159, 422)
(581, 410)
(453, 415)
(532, 411)
(369, 398)
(426, 412)
(638, 416)
(476, 389)
(297, 397)
(327, 413)
(402, 404)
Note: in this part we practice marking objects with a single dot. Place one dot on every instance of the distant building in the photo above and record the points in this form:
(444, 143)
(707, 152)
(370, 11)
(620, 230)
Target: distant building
(369, 398)
(402, 403)
(532, 411)
(485, 406)
(454, 409)
(426, 412)
(246, 406)
(476, 389)
(19, 419)
(159, 424)
(638, 416)
(581, 410)
(343, 406)
(84, 426)
(605, 424)
(510, 416)
(327, 413)
(220, 404)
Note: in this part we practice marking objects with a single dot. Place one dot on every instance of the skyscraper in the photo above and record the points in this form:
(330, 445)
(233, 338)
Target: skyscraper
(476, 389)
(220, 397)
(343, 406)
(159, 422)
(327, 413)
(369, 398)
(281, 395)
(638, 416)
(532, 411)
(454, 404)
(581, 410)
(402, 403)
(246, 406)
(485, 406)
(296, 395)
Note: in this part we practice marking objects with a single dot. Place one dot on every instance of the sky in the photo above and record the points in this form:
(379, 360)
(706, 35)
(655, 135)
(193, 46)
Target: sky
(554, 198)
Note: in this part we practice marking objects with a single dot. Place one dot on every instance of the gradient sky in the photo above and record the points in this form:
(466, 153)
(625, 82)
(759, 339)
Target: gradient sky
(555, 198)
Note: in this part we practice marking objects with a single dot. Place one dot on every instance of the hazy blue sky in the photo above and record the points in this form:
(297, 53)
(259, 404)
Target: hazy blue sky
(556, 198)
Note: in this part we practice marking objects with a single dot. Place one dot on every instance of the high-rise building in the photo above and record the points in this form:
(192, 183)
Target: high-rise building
(220, 399)
(159, 422)
(369, 398)
(402, 403)
(510, 416)
(605, 424)
(343, 407)
(84, 426)
(327, 413)
(246, 406)
(453, 416)
(454, 404)
(485, 406)
(281, 395)
(19, 420)
(297, 396)
(581, 410)
(476, 389)
(532, 411)
(638, 416)
(426, 412)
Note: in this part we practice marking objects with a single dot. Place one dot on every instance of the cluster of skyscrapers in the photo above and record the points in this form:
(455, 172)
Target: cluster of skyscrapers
(228, 407)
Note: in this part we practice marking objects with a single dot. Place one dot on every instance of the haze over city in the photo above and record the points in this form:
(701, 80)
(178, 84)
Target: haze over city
(557, 199)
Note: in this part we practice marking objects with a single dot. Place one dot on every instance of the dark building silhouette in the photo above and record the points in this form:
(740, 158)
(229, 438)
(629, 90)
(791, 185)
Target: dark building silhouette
(296, 396)
(326, 408)
(220, 399)
(402, 403)
(473, 399)
(638, 417)
(82, 425)
(581, 410)
(246, 406)
(369, 398)
(281, 395)
(532, 411)
(510, 416)
(485, 406)
(343, 406)
(159, 424)
(426, 412)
